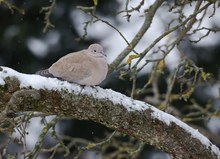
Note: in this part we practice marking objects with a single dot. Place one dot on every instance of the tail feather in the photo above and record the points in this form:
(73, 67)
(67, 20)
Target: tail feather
(45, 73)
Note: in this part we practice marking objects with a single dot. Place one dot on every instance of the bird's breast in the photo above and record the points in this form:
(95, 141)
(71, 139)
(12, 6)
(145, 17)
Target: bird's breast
(98, 73)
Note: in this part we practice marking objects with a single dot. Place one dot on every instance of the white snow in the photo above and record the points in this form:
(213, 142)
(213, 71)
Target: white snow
(168, 119)
(39, 82)
(2, 82)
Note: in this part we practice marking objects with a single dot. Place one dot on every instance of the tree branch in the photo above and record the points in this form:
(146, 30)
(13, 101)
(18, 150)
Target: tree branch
(22, 92)
(147, 23)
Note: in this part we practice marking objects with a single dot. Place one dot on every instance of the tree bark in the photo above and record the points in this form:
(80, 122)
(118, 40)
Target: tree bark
(123, 114)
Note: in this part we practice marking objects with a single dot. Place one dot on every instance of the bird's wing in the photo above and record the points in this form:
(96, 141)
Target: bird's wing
(45, 73)
(72, 67)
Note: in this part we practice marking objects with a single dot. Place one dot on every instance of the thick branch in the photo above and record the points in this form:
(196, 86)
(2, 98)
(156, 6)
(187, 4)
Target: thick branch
(21, 92)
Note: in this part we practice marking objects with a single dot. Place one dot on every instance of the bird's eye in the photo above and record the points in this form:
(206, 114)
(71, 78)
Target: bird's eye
(94, 50)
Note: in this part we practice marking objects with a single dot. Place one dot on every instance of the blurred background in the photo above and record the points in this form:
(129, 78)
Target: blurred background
(26, 48)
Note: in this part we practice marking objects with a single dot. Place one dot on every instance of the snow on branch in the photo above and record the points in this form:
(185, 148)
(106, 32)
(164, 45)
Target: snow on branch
(22, 92)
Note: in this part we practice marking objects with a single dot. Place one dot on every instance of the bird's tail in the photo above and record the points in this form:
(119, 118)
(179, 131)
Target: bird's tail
(45, 73)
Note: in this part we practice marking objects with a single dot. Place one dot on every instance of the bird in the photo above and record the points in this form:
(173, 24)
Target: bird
(87, 67)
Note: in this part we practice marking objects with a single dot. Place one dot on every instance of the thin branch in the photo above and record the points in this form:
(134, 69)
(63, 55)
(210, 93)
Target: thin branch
(38, 146)
(48, 11)
(12, 7)
(190, 20)
(91, 12)
(128, 11)
(94, 145)
(209, 30)
(147, 22)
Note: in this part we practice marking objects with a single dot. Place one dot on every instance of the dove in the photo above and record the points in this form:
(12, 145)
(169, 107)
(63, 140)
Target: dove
(87, 67)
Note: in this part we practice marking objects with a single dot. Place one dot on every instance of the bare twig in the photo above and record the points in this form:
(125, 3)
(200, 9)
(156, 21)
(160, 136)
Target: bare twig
(48, 11)
(147, 22)
(12, 7)
(38, 146)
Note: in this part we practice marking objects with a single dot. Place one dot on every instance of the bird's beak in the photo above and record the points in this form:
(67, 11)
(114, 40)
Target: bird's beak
(103, 53)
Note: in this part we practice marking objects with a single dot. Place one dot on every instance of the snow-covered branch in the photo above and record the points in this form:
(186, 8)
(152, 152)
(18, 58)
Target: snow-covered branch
(21, 92)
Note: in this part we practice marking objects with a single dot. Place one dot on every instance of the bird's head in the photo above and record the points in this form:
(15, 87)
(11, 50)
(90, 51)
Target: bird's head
(96, 50)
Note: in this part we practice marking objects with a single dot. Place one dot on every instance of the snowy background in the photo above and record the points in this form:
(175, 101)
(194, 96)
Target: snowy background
(25, 48)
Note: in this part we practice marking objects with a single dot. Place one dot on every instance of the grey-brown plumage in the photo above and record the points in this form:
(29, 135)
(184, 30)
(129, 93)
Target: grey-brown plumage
(85, 67)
